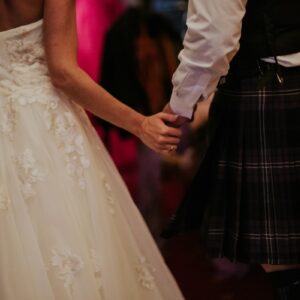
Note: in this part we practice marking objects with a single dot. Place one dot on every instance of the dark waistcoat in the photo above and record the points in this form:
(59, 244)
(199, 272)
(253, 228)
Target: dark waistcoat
(270, 28)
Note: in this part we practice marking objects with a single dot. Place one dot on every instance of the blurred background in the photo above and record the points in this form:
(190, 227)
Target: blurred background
(130, 47)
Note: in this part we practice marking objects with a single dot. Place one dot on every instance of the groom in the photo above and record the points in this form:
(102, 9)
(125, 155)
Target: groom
(256, 40)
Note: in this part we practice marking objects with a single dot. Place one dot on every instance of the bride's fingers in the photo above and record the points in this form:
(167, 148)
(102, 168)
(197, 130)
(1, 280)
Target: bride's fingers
(167, 129)
(168, 117)
(171, 131)
(168, 149)
(167, 140)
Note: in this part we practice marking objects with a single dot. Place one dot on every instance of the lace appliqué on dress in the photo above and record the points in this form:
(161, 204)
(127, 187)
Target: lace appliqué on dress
(71, 142)
(97, 267)
(20, 87)
(145, 273)
(109, 197)
(29, 173)
(8, 119)
(68, 265)
(4, 200)
(27, 57)
(25, 51)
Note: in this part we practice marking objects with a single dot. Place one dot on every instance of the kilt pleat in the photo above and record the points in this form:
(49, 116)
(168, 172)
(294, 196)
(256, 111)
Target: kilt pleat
(245, 198)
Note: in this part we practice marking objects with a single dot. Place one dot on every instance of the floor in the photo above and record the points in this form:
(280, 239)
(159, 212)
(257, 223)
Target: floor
(202, 279)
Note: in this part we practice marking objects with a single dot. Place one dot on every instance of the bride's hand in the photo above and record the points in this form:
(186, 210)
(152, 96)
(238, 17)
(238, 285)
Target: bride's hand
(157, 135)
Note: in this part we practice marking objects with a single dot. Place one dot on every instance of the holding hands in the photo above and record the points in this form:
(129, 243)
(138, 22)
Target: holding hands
(179, 120)
(161, 131)
(156, 134)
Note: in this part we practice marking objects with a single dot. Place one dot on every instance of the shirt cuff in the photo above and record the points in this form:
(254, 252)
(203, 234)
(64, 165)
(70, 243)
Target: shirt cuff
(181, 108)
(188, 91)
(184, 99)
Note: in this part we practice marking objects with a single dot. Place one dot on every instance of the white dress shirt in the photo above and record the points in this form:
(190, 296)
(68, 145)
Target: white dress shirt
(210, 43)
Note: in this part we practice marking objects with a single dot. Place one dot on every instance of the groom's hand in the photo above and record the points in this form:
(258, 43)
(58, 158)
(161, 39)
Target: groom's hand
(179, 120)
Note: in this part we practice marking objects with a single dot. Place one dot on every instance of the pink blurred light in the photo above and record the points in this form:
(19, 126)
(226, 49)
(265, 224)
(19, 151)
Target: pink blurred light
(94, 17)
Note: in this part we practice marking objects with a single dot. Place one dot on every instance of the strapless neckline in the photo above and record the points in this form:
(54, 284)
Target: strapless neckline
(20, 29)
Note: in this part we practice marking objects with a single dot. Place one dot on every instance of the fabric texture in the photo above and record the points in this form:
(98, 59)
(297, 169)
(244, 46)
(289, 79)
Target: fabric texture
(245, 197)
(68, 227)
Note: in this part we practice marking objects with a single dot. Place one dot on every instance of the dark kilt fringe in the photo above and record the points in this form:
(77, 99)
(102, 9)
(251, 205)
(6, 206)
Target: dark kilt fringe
(245, 199)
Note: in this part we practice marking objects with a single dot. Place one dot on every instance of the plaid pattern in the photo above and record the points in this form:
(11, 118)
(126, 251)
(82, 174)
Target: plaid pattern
(246, 195)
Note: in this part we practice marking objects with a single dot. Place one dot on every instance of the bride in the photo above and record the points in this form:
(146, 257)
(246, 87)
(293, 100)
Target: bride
(68, 227)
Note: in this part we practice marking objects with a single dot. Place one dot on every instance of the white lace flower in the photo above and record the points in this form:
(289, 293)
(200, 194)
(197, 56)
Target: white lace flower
(29, 173)
(109, 196)
(71, 142)
(13, 48)
(27, 80)
(68, 265)
(28, 83)
(84, 162)
(7, 119)
(97, 267)
(145, 273)
(52, 102)
(78, 143)
(25, 51)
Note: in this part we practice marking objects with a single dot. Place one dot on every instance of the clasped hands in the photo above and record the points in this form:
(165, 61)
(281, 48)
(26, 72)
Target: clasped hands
(161, 132)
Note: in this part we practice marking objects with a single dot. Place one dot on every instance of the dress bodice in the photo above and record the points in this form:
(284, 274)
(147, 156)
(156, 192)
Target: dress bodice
(24, 75)
(22, 53)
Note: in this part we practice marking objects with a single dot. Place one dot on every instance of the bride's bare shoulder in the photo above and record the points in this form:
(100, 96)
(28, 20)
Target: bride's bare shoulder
(14, 13)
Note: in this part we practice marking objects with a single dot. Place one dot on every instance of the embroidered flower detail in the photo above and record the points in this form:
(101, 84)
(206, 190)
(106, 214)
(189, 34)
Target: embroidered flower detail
(68, 265)
(25, 51)
(8, 119)
(27, 79)
(71, 142)
(35, 90)
(109, 197)
(4, 201)
(29, 173)
(96, 265)
(145, 273)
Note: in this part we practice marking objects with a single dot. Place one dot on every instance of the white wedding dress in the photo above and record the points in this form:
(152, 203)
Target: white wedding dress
(68, 227)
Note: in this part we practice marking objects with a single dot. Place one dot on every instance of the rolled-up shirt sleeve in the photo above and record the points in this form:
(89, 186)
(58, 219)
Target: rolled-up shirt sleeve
(211, 41)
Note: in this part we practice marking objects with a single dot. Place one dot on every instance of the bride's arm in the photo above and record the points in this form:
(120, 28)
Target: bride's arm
(60, 40)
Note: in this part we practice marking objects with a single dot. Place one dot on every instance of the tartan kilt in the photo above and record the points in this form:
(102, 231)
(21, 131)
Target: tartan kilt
(245, 198)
